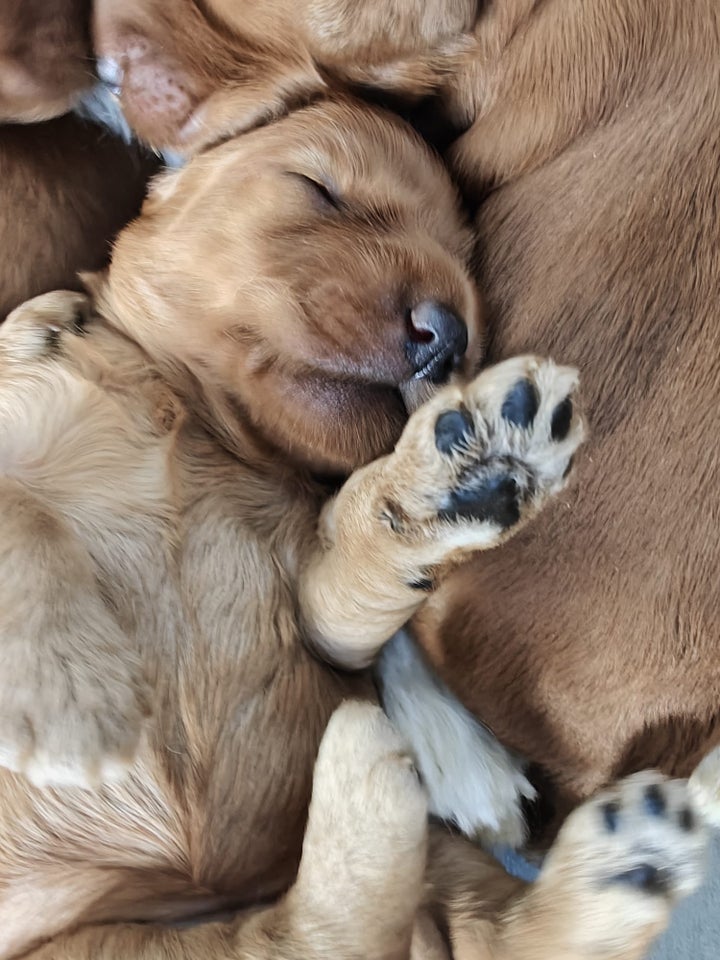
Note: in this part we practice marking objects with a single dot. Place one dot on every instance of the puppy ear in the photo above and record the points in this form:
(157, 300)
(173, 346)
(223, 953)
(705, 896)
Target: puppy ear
(184, 81)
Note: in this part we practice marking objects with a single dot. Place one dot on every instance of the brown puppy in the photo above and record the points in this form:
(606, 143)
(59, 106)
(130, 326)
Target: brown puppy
(590, 646)
(150, 499)
(596, 128)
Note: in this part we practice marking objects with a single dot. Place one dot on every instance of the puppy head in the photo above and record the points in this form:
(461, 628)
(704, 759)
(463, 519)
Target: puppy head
(185, 78)
(310, 276)
(45, 57)
(189, 74)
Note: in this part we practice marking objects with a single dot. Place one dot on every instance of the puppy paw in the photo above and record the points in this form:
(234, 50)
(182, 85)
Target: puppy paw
(36, 328)
(621, 862)
(71, 723)
(366, 835)
(476, 461)
(705, 787)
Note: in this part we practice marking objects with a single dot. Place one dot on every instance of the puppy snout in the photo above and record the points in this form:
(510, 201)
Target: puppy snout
(437, 341)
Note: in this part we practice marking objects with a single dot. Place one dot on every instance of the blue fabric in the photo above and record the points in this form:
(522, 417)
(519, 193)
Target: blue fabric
(694, 933)
(516, 864)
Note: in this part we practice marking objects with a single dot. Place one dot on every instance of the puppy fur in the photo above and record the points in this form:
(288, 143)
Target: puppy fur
(589, 150)
(66, 188)
(46, 60)
(183, 557)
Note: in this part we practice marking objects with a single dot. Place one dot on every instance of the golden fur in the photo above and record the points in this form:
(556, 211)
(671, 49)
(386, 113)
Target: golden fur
(589, 148)
(181, 556)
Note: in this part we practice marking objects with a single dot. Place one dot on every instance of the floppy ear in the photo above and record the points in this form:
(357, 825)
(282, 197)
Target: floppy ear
(185, 81)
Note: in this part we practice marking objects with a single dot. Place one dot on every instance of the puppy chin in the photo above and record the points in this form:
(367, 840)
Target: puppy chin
(419, 390)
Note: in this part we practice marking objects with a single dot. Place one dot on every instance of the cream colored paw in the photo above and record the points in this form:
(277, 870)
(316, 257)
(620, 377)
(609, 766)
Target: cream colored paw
(705, 787)
(476, 461)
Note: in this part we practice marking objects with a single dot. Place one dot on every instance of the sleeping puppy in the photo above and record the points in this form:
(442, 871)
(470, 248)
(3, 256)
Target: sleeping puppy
(279, 308)
(589, 146)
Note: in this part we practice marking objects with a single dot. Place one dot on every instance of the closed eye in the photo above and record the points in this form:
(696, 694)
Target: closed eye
(321, 190)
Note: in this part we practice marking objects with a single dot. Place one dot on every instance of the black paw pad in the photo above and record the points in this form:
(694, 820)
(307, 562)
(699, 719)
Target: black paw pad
(654, 801)
(496, 499)
(646, 877)
(561, 419)
(452, 429)
(686, 819)
(611, 815)
(521, 404)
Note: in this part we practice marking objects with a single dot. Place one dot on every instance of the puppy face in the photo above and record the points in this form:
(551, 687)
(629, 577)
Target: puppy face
(310, 274)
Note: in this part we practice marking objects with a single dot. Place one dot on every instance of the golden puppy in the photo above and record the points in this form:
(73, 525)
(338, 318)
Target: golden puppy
(589, 142)
(276, 311)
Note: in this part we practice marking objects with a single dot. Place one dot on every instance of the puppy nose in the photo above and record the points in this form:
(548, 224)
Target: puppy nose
(437, 340)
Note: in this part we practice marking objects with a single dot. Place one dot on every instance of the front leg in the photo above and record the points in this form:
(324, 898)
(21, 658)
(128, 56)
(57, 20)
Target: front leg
(471, 467)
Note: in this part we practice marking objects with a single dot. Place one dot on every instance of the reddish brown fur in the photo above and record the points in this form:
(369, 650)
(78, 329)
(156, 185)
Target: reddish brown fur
(596, 634)
(45, 57)
(66, 188)
(592, 648)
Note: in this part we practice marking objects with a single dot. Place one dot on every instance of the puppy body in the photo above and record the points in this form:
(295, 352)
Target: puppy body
(595, 130)
(178, 559)
(589, 146)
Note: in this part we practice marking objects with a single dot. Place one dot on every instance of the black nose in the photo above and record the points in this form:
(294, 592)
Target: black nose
(437, 340)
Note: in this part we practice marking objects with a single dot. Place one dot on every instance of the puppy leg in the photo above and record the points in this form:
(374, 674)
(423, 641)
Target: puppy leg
(360, 879)
(72, 699)
(619, 865)
(471, 466)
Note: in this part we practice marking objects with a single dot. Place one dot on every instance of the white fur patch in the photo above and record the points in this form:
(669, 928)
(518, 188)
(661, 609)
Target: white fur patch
(102, 106)
(472, 780)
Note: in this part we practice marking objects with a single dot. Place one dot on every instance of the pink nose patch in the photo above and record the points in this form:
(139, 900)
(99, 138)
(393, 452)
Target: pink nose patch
(156, 93)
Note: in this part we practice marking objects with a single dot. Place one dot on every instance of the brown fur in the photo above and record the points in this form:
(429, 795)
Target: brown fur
(590, 643)
(599, 241)
(171, 547)
(46, 57)
(66, 188)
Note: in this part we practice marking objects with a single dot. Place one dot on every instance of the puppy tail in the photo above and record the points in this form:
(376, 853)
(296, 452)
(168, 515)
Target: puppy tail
(473, 782)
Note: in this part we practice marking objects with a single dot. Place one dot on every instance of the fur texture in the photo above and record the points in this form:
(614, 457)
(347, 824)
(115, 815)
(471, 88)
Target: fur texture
(66, 188)
(200, 574)
(588, 147)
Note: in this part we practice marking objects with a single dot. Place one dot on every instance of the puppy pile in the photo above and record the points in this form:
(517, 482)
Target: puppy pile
(249, 473)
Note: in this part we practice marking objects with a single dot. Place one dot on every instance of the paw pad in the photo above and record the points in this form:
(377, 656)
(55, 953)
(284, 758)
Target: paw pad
(495, 499)
(561, 419)
(521, 404)
(452, 430)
